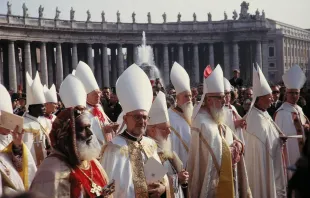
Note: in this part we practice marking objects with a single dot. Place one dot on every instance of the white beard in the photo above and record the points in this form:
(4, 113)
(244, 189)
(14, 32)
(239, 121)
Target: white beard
(88, 152)
(217, 114)
(164, 144)
(187, 109)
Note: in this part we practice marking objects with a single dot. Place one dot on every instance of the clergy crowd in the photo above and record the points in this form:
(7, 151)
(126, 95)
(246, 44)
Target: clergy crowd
(145, 140)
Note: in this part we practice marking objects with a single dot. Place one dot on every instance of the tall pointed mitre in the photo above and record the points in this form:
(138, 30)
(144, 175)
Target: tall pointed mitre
(227, 85)
(260, 84)
(5, 100)
(213, 84)
(179, 78)
(294, 78)
(159, 112)
(50, 94)
(72, 92)
(86, 76)
(34, 89)
(134, 90)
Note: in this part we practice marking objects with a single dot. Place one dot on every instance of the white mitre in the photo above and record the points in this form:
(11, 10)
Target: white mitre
(5, 100)
(159, 112)
(214, 83)
(34, 89)
(50, 94)
(86, 76)
(294, 78)
(227, 85)
(73, 72)
(72, 92)
(134, 90)
(179, 78)
(260, 84)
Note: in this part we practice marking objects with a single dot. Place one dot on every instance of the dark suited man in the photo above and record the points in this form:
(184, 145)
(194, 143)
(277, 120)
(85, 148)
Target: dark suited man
(276, 102)
(236, 81)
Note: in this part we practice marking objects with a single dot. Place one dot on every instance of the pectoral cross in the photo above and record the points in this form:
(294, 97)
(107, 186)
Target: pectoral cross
(96, 189)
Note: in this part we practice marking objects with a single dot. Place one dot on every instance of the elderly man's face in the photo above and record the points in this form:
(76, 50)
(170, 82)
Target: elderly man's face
(136, 122)
(82, 128)
(93, 97)
(51, 107)
(236, 74)
(184, 97)
(216, 100)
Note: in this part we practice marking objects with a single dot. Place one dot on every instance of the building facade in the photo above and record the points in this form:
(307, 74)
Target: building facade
(53, 46)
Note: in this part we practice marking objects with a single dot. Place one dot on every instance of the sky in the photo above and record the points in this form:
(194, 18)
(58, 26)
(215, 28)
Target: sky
(295, 12)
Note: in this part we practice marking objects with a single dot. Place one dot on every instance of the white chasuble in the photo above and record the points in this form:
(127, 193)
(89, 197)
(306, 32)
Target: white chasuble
(180, 135)
(11, 181)
(36, 136)
(205, 157)
(284, 119)
(97, 125)
(117, 163)
(263, 156)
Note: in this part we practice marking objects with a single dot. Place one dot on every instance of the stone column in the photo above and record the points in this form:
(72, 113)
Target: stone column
(98, 71)
(105, 65)
(1, 67)
(113, 67)
(166, 65)
(18, 67)
(90, 60)
(227, 69)
(156, 56)
(59, 65)
(74, 56)
(12, 67)
(120, 60)
(181, 55)
(27, 58)
(259, 53)
(135, 54)
(196, 64)
(43, 64)
(235, 55)
(50, 63)
(265, 59)
(33, 52)
(211, 55)
(65, 58)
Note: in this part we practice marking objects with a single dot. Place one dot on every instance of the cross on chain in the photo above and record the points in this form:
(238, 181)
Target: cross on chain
(96, 189)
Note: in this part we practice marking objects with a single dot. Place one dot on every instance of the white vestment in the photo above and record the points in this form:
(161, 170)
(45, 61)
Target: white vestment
(96, 125)
(204, 176)
(36, 135)
(231, 115)
(263, 156)
(284, 119)
(116, 163)
(180, 135)
(5, 140)
(11, 181)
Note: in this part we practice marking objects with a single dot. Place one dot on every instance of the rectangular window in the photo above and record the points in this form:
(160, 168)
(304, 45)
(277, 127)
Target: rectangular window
(271, 51)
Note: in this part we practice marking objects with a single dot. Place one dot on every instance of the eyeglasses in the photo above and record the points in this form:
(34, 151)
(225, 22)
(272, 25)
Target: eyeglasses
(164, 129)
(218, 97)
(275, 92)
(139, 117)
(293, 93)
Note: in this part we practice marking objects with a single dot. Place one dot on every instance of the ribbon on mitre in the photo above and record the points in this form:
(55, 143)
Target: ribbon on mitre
(152, 82)
(207, 71)
(98, 114)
